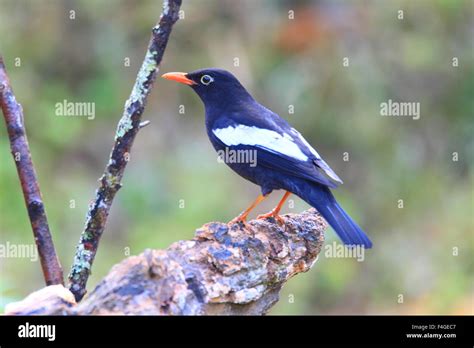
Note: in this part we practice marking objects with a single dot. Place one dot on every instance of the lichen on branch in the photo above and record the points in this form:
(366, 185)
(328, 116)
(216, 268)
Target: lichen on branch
(127, 129)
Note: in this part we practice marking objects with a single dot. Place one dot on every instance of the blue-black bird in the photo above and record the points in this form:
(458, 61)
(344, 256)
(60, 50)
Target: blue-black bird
(235, 121)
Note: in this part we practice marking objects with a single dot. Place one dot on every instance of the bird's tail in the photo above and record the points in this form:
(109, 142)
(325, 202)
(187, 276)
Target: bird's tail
(321, 198)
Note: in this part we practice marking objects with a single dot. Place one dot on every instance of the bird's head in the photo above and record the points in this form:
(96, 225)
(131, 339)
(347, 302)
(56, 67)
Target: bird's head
(216, 87)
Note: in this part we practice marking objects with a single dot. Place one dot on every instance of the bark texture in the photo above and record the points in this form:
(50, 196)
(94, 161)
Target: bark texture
(223, 270)
(14, 120)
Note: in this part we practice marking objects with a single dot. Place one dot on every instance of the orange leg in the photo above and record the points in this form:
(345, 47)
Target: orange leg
(274, 213)
(243, 216)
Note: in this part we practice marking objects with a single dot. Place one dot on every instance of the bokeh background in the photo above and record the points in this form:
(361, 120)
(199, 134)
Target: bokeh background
(423, 251)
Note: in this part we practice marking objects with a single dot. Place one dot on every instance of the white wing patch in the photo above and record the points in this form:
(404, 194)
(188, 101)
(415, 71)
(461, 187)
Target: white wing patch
(266, 138)
(303, 140)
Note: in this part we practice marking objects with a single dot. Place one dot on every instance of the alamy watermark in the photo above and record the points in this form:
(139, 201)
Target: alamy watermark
(394, 108)
(26, 251)
(237, 156)
(68, 108)
(341, 251)
(28, 330)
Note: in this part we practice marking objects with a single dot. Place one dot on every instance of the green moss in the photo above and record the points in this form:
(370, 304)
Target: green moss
(87, 235)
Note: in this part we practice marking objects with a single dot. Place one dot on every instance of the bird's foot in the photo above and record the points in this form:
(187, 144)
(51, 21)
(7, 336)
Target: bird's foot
(274, 215)
(239, 220)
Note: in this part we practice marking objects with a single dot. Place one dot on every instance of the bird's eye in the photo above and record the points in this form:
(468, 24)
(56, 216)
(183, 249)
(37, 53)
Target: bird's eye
(206, 79)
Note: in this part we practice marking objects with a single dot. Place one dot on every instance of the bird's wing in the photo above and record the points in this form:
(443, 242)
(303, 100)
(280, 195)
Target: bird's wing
(318, 160)
(278, 147)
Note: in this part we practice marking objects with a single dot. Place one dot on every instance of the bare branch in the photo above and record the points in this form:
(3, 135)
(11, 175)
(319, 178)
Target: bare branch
(13, 114)
(127, 129)
(222, 270)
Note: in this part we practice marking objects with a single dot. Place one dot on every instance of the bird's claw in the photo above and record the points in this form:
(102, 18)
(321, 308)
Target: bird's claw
(272, 215)
(239, 220)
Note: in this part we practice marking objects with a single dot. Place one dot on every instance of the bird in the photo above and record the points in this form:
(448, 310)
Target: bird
(235, 122)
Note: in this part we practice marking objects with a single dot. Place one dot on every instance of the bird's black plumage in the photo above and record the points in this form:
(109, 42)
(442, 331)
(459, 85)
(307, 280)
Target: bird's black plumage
(284, 159)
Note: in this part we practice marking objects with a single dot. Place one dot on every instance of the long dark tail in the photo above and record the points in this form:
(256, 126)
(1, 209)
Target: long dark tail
(321, 198)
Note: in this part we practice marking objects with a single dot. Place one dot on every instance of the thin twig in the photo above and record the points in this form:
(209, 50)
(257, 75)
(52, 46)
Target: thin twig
(127, 129)
(13, 114)
(144, 124)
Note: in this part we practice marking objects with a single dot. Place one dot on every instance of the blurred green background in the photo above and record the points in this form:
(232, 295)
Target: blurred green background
(283, 62)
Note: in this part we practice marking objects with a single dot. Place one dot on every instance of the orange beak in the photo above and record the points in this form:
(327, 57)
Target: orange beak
(179, 77)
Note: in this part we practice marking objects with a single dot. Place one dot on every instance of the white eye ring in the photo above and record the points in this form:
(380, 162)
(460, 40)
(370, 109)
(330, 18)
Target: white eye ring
(206, 80)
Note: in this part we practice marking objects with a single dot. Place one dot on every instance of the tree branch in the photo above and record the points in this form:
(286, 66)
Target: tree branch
(127, 129)
(222, 270)
(13, 114)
